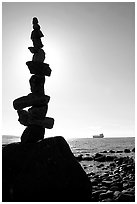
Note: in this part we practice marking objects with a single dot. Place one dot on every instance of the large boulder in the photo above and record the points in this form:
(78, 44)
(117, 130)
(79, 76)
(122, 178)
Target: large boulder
(43, 171)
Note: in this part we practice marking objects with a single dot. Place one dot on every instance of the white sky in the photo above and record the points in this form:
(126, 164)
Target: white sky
(90, 49)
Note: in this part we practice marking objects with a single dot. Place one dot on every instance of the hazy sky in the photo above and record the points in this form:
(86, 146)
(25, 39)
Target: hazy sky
(90, 49)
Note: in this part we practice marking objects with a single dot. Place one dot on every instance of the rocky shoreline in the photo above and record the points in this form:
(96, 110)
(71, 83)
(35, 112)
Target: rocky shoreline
(113, 179)
(108, 176)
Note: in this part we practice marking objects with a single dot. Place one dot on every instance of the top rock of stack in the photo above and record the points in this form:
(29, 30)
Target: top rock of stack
(35, 21)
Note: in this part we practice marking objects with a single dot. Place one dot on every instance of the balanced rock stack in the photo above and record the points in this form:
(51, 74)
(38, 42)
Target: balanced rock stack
(35, 117)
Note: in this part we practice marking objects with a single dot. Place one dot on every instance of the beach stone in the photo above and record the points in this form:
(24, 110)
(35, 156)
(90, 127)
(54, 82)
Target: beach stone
(38, 112)
(115, 188)
(35, 20)
(91, 173)
(118, 184)
(107, 200)
(110, 158)
(113, 164)
(23, 117)
(95, 188)
(108, 194)
(123, 197)
(127, 150)
(95, 194)
(116, 194)
(100, 165)
(87, 158)
(104, 188)
(129, 191)
(32, 134)
(127, 167)
(39, 56)
(125, 185)
(45, 171)
(94, 182)
(99, 157)
(79, 157)
(45, 123)
(131, 183)
(36, 26)
(119, 151)
(133, 150)
(27, 119)
(30, 100)
(104, 151)
(36, 34)
(112, 151)
(106, 183)
(39, 68)
(33, 50)
(37, 43)
(105, 174)
(37, 84)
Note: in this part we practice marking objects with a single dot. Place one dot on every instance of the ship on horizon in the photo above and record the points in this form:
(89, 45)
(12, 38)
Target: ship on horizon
(98, 136)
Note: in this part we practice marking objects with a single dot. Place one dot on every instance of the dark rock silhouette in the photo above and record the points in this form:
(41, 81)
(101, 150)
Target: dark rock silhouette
(37, 84)
(39, 68)
(43, 171)
(32, 133)
(127, 150)
(30, 100)
(38, 169)
(34, 118)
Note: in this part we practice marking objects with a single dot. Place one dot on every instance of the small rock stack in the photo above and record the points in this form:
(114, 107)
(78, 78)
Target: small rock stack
(34, 118)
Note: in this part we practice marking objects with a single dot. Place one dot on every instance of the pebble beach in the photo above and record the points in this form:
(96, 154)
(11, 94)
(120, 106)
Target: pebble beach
(112, 175)
(111, 170)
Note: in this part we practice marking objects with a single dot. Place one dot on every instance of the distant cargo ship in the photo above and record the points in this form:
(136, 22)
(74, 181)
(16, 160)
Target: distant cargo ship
(98, 136)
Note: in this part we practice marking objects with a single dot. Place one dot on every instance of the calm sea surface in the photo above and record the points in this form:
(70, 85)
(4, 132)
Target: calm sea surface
(89, 145)
(93, 145)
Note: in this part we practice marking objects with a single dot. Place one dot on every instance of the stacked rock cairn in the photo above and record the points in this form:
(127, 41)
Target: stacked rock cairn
(35, 116)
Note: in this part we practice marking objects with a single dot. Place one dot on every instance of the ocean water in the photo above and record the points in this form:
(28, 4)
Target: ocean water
(94, 145)
(88, 145)
(7, 139)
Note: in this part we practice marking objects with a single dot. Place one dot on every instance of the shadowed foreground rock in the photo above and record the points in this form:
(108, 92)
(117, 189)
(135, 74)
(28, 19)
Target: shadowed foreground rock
(43, 171)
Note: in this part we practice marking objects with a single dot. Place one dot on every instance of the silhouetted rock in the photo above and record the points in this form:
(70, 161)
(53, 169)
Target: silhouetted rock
(33, 50)
(37, 43)
(36, 27)
(43, 171)
(99, 157)
(37, 84)
(36, 34)
(127, 150)
(111, 151)
(105, 151)
(39, 68)
(39, 56)
(23, 117)
(35, 20)
(125, 197)
(32, 134)
(30, 100)
(119, 151)
(110, 158)
(47, 122)
(108, 194)
(35, 116)
(38, 112)
(133, 150)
